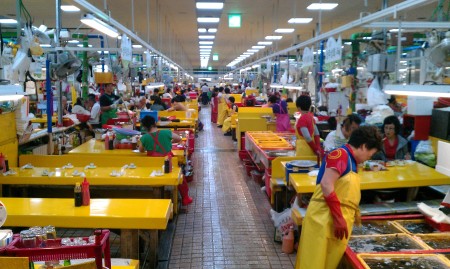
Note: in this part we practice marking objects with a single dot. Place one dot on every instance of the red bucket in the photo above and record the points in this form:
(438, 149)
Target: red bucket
(243, 154)
(249, 167)
(257, 176)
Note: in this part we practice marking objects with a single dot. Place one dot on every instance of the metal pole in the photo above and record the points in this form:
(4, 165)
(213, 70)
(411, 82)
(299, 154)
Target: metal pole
(18, 18)
(399, 50)
(148, 21)
(132, 16)
(57, 44)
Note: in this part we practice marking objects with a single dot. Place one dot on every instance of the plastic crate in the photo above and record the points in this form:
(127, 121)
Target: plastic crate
(153, 114)
(55, 251)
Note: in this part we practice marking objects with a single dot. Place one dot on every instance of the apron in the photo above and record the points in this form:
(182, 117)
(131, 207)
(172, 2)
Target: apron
(283, 120)
(222, 110)
(153, 152)
(110, 114)
(319, 249)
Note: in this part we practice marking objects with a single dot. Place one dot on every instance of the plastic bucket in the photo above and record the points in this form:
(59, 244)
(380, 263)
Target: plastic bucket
(257, 176)
(249, 167)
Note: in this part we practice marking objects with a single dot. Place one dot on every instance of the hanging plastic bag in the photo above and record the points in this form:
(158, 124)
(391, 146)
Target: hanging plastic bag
(424, 153)
(374, 94)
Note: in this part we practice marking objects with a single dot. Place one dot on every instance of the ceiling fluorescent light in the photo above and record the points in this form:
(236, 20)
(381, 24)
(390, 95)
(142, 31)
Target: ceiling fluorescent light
(81, 45)
(208, 20)
(258, 47)
(69, 8)
(205, 47)
(418, 90)
(300, 20)
(212, 30)
(45, 45)
(253, 50)
(209, 5)
(73, 41)
(7, 21)
(206, 37)
(265, 43)
(99, 25)
(322, 6)
(137, 46)
(202, 30)
(284, 30)
(11, 92)
(248, 53)
(273, 37)
(206, 42)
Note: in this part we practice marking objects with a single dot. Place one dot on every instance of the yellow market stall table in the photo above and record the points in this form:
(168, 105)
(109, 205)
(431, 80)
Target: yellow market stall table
(410, 175)
(97, 147)
(98, 176)
(129, 215)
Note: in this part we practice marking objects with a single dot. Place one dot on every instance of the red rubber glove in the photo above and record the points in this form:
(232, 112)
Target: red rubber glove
(340, 225)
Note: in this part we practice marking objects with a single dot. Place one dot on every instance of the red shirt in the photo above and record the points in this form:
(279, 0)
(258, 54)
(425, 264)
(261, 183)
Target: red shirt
(389, 150)
(306, 120)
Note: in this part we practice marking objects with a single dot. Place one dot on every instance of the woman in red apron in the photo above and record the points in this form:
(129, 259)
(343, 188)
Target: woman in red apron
(280, 110)
(158, 143)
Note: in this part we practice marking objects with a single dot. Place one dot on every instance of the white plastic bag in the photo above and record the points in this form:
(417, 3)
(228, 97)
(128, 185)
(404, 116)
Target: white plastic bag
(282, 222)
(374, 94)
(424, 153)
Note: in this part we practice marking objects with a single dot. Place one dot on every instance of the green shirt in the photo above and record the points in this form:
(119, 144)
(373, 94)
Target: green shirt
(164, 138)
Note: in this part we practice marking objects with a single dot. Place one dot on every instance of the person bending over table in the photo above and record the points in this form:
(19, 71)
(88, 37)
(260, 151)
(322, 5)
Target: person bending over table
(306, 128)
(340, 136)
(177, 104)
(158, 143)
(395, 147)
(334, 206)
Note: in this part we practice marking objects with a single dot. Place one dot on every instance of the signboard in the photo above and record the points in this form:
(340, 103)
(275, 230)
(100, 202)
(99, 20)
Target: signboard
(234, 20)
(126, 53)
(333, 51)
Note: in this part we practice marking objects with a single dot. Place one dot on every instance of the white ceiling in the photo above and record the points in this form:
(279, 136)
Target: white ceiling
(173, 25)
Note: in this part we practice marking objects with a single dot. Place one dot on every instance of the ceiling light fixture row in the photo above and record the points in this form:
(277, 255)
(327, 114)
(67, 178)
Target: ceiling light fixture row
(268, 42)
(208, 17)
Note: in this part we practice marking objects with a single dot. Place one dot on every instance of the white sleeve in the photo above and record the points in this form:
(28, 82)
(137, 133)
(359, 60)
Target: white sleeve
(329, 142)
(94, 112)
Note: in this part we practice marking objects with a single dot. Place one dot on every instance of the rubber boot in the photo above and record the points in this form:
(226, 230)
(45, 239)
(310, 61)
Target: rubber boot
(183, 188)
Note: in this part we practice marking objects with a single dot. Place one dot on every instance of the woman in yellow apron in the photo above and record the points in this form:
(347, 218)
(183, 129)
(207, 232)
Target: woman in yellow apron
(308, 139)
(334, 205)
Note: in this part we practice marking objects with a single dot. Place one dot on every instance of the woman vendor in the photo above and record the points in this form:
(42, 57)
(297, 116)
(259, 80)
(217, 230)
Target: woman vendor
(334, 205)
(308, 135)
(232, 108)
(158, 143)
(394, 147)
(279, 108)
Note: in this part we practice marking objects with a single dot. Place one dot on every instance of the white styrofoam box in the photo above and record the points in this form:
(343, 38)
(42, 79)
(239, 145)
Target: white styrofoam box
(443, 160)
(381, 63)
(420, 106)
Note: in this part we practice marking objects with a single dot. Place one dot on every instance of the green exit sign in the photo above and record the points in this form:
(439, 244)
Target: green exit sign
(209, 68)
(215, 57)
(234, 20)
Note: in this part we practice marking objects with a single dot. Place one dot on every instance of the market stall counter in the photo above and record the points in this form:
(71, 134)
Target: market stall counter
(117, 177)
(411, 175)
(129, 215)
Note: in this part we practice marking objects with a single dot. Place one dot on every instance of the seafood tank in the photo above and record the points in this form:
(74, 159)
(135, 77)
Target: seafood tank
(416, 226)
(400, 261)
(384, 243)
(375, 227)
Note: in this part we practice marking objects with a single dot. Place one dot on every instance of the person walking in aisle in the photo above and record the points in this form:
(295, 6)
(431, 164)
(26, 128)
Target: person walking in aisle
(205, 91)
(158, 143)
(334, 206)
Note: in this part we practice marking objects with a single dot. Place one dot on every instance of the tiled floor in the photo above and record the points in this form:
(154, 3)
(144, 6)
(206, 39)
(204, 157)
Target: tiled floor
(228, 225)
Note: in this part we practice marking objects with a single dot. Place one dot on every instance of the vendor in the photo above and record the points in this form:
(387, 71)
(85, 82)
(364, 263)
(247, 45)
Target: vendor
(232, 108)
(395, 147)
(279, 108)
(108, 104)
(340, 136)
(307, 132)
(158, 143)
(223, 107)
(157, 105)
(334, 206)
(142, 104)
(177, 104)
(67, 108)
(94, 120)
(78, 107)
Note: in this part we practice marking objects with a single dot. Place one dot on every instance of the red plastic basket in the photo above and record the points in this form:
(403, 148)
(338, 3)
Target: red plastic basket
(55, 251)
(83, 117)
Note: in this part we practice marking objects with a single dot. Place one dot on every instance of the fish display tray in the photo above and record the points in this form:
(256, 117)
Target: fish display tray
(376, 227)
(415, 226)
(385, 243)
(410, 261)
